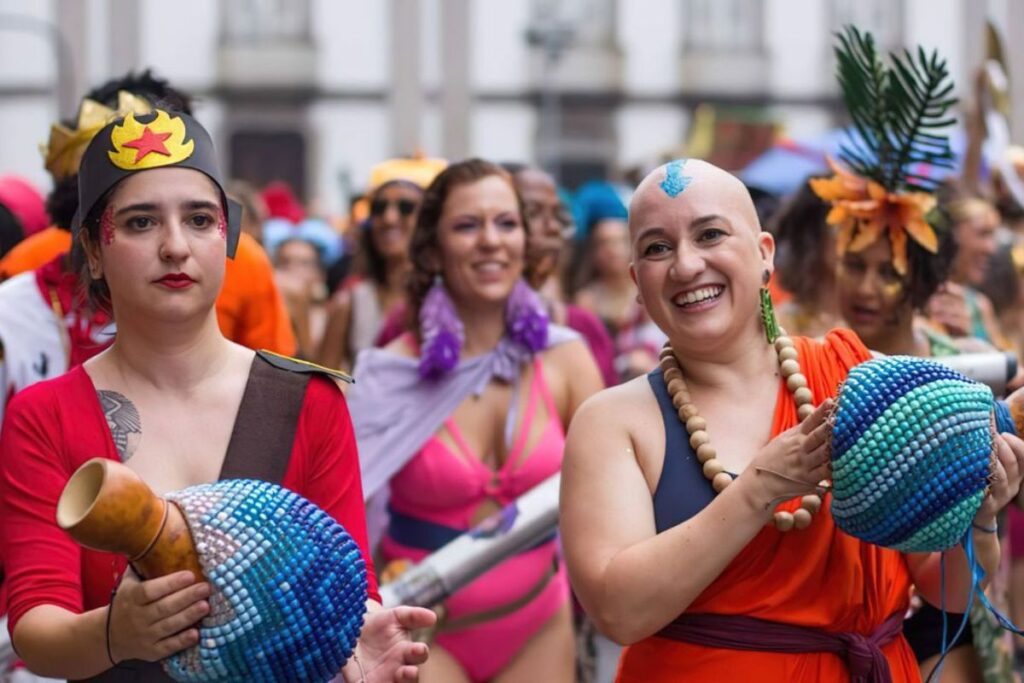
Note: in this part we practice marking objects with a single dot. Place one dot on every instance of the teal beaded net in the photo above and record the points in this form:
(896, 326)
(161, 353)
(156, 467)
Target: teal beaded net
(912, 445)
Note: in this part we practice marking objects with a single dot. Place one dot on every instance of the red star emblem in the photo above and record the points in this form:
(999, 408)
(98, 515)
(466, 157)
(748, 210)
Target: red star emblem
(147, 143)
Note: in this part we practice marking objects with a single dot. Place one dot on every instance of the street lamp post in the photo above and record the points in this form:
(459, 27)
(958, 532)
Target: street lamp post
(553, 36)
(65, 82)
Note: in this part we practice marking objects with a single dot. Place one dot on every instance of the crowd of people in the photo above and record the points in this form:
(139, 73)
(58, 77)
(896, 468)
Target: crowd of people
(500, 330)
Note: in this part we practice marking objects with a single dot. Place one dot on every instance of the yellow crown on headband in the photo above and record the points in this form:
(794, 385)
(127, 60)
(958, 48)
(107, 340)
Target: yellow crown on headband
(63, 152)
(161, 142)
(417, 170)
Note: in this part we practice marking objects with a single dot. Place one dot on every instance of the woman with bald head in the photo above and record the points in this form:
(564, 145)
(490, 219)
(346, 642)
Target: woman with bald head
(674, 542)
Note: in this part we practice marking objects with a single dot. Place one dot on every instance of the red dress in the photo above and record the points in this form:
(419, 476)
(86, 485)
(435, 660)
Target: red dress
(818, 577)
(52, 427)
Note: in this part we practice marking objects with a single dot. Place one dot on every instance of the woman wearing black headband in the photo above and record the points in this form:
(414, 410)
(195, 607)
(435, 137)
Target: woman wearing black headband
(169, 399)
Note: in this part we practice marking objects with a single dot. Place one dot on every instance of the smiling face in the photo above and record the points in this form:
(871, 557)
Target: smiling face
(699, 257)
(482, 242)
(546, 217)
(609, 244)
(161, 246)
(301, 260)
(975, 233)
(392, 219)
(872, 295)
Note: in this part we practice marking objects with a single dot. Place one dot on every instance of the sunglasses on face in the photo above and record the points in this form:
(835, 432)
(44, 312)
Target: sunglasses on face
(406, 207)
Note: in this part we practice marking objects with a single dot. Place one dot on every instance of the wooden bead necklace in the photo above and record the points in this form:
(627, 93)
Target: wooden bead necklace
(696, 426)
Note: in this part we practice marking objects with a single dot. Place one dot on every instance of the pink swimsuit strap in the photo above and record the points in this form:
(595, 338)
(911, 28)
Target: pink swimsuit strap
(538, 389)
(445, 484)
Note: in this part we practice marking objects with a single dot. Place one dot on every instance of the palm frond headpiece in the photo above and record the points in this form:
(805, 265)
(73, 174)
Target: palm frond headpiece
(898, 111)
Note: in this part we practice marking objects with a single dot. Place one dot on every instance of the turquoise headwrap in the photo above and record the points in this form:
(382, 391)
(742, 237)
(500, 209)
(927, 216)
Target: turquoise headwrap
(594, 202)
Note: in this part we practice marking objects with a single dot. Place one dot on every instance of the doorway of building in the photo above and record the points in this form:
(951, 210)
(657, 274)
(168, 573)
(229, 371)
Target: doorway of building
(261, 157)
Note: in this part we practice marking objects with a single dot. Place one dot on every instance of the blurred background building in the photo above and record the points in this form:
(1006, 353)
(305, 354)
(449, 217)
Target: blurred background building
(317, 91)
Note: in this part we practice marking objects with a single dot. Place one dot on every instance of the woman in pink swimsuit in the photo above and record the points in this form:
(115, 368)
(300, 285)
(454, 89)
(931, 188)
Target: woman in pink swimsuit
(485, 388)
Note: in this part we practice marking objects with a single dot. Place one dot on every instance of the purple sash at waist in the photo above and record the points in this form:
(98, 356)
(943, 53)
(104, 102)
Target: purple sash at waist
(862, 653)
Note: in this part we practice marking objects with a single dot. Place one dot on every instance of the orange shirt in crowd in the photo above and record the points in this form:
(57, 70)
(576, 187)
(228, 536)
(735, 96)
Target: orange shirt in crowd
(250, 309)
(35, 251)
(778, 293)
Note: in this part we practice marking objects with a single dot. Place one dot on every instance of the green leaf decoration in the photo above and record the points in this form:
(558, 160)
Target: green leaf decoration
(898, 111)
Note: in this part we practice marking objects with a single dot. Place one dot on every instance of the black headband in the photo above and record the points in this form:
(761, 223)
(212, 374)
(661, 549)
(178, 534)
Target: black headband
(156, 140)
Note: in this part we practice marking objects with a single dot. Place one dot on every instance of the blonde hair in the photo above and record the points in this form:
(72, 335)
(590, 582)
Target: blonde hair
(969, 208)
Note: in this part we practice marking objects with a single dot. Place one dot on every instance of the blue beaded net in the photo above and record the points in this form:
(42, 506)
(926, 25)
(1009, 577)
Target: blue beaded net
(912, 448)
(289, 586)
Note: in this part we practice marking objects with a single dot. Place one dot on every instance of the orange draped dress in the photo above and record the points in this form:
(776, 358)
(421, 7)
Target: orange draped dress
(818, 577)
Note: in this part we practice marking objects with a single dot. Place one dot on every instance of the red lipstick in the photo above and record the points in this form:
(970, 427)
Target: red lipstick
(176, 281)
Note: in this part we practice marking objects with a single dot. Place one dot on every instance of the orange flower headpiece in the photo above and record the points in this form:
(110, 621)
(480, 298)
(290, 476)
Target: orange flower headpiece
(897, 110)
(863, 211)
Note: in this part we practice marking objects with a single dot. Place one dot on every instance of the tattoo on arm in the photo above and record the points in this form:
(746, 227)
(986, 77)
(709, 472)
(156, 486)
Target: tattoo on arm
(123, 421)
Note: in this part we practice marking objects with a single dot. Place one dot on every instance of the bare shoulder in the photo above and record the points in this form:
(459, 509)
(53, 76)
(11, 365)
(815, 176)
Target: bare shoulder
(568, 354)
(403, 345)
(624, 408)
(340, 302)
(586, 298)
(241, 357)
(621, 422)
(984, 303)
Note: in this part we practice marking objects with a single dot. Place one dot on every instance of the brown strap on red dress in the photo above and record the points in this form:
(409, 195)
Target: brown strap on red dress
(261, 442)
(260, 448)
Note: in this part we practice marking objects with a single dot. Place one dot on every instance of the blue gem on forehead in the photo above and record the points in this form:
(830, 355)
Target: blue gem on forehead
(675, 182)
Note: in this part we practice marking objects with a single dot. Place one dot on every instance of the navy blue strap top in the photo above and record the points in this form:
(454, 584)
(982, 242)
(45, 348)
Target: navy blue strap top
(682, 489)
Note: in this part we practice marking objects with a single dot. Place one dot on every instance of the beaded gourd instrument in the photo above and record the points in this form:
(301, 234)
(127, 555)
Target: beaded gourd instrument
(912, 449)
(288, 586)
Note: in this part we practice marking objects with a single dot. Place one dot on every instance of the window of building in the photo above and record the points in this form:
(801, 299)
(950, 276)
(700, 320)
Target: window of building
(591, 22)
(882, 18)
(726, 26)
(265, 21)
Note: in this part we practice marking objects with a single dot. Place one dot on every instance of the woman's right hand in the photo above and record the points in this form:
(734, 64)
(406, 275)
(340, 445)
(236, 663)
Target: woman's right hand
(793, 462)
(948, 308)
(151, 620)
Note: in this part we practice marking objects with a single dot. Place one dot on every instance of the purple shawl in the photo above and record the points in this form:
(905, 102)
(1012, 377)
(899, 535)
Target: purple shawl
(394, 412)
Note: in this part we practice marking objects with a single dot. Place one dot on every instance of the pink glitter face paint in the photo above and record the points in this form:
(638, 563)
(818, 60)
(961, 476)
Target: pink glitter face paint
(222, 225)
(107, 225)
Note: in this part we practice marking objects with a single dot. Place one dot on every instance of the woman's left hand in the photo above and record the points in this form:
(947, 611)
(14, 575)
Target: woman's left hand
(1006, 478)
(386, 651)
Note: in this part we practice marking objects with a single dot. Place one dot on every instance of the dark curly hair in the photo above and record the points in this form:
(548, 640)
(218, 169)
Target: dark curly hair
(157, 91)
(801, 234)
(92, 292)
(424, 247)
(927, 270)
(62, 202)
(11, 231)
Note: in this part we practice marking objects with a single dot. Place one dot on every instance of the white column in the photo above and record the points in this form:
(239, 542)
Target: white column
(73, 56)
(407, 91)
(124, 31)
(455, 95)
(1014, 34)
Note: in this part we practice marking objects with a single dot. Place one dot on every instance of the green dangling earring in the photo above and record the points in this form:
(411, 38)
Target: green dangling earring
(771, 325)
